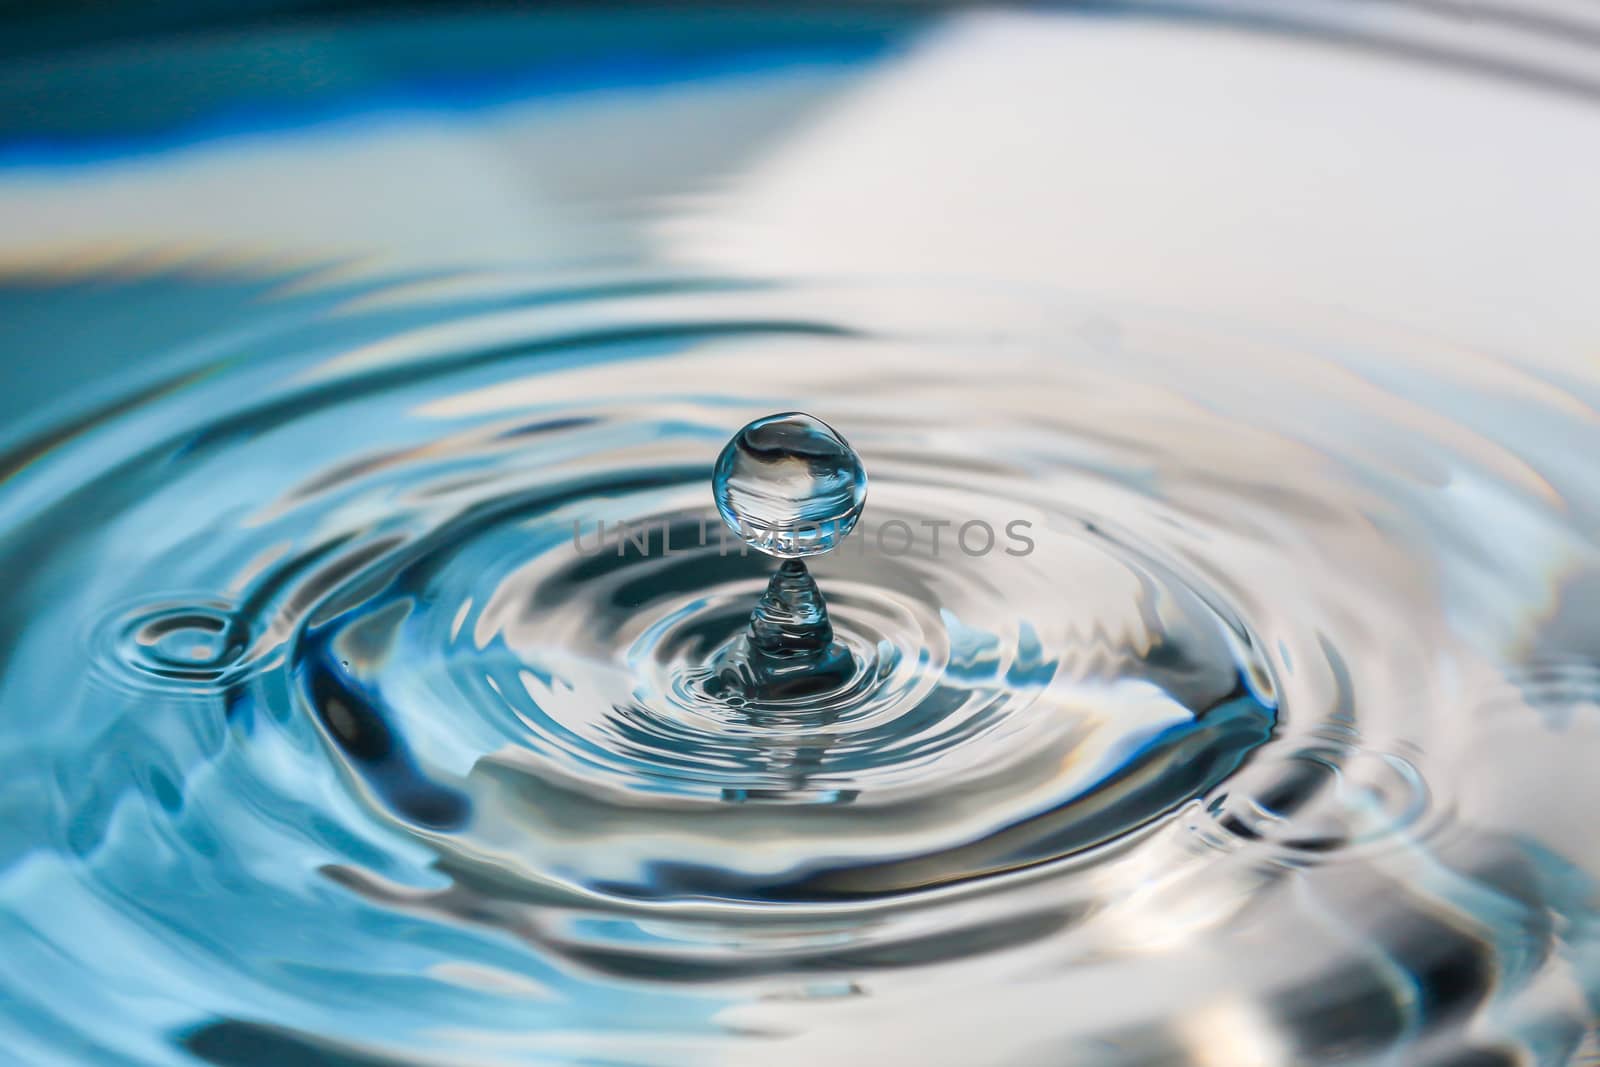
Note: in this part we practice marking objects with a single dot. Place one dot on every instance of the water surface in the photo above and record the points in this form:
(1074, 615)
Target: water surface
(1257, 732)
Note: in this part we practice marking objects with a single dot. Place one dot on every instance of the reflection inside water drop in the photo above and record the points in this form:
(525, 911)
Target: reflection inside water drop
(789, 485)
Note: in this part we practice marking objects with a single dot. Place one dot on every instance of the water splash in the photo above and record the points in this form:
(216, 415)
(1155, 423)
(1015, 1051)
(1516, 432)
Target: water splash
(320, 741)
(791, 486)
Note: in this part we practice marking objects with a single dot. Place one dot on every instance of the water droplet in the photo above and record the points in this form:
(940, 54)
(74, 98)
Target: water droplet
(789, 485)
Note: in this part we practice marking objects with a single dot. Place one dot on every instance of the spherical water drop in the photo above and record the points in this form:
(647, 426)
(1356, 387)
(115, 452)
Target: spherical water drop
(789, 485)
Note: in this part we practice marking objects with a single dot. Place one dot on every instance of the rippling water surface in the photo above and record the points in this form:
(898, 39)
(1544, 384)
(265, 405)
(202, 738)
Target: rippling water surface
(357, 700)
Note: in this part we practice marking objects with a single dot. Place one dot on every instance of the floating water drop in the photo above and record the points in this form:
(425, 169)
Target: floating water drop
(789, 485)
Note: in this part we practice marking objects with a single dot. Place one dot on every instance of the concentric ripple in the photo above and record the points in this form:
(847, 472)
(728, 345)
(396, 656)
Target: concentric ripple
(369, 697)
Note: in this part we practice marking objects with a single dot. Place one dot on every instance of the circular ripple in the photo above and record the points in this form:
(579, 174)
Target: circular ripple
(197, 644)
(456, 732)
(1323, 798)
(955, 749)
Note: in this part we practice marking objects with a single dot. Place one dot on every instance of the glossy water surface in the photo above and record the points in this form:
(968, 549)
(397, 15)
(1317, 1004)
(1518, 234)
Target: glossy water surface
(1211, 678)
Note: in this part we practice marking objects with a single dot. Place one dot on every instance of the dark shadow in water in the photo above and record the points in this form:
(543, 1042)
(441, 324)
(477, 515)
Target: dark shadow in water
(235, 1043)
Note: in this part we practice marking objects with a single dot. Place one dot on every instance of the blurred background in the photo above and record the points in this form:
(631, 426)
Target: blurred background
(165, 166)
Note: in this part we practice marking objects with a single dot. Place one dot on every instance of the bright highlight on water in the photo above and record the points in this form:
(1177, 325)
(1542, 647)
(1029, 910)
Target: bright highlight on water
(1204, 689)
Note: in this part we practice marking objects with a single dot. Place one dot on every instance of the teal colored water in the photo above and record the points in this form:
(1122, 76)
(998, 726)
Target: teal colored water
(395, 667)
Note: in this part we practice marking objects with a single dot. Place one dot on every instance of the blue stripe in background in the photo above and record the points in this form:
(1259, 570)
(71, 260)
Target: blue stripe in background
(134, 98)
